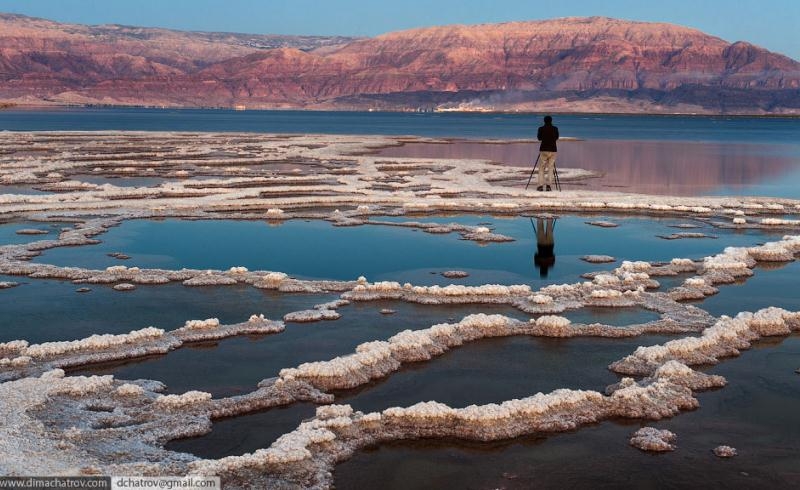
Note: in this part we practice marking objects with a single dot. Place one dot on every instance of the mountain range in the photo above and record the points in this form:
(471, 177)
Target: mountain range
(593, 64)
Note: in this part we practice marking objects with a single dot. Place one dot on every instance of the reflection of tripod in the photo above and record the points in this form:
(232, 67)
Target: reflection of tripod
(536, 230)
(555, 174)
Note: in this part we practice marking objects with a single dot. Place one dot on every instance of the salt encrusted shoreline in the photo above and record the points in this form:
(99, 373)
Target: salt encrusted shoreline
(57, 424)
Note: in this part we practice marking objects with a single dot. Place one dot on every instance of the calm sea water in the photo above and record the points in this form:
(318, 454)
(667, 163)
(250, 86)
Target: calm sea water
(682, 168)
(503, 126)
(394, 253)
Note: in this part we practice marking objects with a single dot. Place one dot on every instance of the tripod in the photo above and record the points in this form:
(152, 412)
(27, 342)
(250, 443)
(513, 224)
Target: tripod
(555, 174)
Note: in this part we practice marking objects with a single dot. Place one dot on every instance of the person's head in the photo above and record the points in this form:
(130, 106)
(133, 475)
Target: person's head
(543, 272)
(543, 264)
(548, 120)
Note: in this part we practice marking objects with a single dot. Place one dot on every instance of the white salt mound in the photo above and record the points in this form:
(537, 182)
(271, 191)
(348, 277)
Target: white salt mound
(652, 439)
(602, 224)
(598, 259)
(202, 324)
(725, 451)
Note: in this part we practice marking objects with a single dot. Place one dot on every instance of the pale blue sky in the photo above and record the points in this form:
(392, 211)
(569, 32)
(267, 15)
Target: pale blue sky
(773, 24)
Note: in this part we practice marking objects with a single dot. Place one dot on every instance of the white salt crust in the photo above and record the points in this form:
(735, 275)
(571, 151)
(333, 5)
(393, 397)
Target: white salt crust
(725, 451)
(190, 398)
(652, 439)
(202, 324)
(19, 359)
(725, 338)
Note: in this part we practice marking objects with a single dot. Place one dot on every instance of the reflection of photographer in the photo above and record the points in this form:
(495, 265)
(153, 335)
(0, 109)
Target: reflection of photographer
(544, 257)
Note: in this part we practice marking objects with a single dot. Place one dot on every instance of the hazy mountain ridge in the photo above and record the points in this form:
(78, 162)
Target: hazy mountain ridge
(581, 64)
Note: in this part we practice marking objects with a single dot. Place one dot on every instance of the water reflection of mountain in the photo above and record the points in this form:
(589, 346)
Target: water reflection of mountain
(660, 167)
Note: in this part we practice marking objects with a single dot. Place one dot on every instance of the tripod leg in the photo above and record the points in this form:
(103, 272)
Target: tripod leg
(532, 171)
(558, 181)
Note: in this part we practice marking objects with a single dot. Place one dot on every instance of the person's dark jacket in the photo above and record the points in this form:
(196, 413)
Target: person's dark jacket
(548, 134)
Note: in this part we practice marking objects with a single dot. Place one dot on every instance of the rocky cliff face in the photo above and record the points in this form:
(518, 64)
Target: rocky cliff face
(563, 64)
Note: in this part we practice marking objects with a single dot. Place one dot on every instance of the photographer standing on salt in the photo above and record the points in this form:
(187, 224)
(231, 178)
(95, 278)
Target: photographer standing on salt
(548, 135)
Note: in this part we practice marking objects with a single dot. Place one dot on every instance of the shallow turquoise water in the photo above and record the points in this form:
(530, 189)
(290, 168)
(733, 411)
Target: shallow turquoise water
(770, 286)
(40, 310)
(9, 236)
(21, 189)
(316, 249)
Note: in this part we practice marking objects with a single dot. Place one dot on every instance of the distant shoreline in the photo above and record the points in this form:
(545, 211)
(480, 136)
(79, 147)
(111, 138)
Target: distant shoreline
(45, 106)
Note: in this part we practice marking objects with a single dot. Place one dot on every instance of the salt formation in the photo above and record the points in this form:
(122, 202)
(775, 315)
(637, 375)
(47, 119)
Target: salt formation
(651, 439)
(455, 274)
(8, 284)
(734, 263)
(210, 278)
(475, 233)
(202, 324)
(598, 259)
(94, 342)
(32, 231)
(51, 423)
(275, 213)
(725, 338)
(377, 359)
(325, 311)
(678, 236)
(624, 286)
(18, 359)
(336, 432)
(603, 224)
(129, 389)
(190, 398)
(725, 451)
(780, 222)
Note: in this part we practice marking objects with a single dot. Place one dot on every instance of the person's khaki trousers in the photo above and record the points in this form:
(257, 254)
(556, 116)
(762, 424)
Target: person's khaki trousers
(547, 163)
